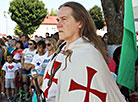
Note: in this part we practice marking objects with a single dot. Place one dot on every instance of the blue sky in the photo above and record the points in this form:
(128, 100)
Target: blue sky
(49, 4)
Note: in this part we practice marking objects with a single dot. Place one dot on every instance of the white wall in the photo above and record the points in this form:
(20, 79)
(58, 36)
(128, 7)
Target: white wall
(135, 3)
(135, 8)
(136, 26)
(45, 28)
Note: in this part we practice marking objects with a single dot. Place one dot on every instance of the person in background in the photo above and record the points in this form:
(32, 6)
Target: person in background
(111, 63)
(41, 38)
(35, 37)
(135, 94)
(84, 74)
(17, 60)
(5, 41)
(56, 36)
(19, 48)
(9, 38)
(10, 72)
(50, 49)
(4, 50)
(12, 48)
(1, 77)
(46, 35)
(105, 39)
(3, 59)
(137, 37)
(116, 56)
(25, 38)
(17, 37)
(26, 60)
(39, 59)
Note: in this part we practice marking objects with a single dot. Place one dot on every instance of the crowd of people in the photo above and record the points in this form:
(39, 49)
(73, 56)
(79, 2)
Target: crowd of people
(18, 57)
(73, 59)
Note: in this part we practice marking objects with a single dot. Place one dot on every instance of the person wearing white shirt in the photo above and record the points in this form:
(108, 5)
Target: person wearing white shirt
(10, 72)
(26, 60)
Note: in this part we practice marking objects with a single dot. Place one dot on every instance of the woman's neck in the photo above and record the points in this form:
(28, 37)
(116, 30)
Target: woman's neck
(32, 49)
(13, 46)
(50, 53)
(19, 49)
(41, 54)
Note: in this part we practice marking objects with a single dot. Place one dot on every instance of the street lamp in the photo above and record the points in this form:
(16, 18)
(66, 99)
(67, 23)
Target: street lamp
(5, 15)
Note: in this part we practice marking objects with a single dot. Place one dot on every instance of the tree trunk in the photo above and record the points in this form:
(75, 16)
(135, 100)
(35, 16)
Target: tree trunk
(114, 14)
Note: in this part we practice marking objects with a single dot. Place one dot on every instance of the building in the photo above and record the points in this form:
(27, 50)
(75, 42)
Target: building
(2, 35)
(48, 25)
(135, 9)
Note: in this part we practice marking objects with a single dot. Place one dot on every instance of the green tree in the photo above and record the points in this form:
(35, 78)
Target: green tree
(97, 16)
(18, 31)
(53, 12)
(28, 14)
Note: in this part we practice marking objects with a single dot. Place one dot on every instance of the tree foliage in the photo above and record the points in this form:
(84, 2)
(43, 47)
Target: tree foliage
(97, 16)
(53, 12)
(28, 14)
(18, 31)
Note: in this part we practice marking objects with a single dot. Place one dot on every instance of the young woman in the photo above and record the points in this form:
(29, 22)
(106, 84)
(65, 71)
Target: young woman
(50, 47)
(26, 60)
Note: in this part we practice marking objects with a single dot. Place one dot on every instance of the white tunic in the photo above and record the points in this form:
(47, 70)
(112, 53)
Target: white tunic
(87, 77)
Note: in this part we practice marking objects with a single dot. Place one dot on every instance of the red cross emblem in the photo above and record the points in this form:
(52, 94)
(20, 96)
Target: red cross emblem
(75, 86)
(56, 65)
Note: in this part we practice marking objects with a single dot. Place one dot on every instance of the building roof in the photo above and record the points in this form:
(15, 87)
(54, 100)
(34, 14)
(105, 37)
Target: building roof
(50, 20)
(3, 34)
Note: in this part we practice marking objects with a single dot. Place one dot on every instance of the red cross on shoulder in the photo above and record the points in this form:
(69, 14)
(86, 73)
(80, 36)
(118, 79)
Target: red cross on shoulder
(75, 86)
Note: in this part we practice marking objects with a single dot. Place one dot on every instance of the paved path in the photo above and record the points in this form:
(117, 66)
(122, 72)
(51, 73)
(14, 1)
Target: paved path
(4, 99)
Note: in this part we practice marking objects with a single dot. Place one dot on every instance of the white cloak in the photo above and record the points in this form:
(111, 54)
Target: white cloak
(87, 77)
(50, 91)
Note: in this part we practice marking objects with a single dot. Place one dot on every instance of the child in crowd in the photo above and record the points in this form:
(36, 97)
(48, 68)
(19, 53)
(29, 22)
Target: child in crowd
(17, 60)
(10, 71)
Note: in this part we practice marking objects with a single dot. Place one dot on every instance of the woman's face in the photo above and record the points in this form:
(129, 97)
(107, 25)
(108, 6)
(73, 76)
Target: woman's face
(106, 38)
(40, 49)
(18, 45)
(13, 43)
(48, 45)
(31, 45)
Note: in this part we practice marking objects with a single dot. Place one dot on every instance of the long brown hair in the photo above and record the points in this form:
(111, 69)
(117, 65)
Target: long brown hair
(88, 29)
